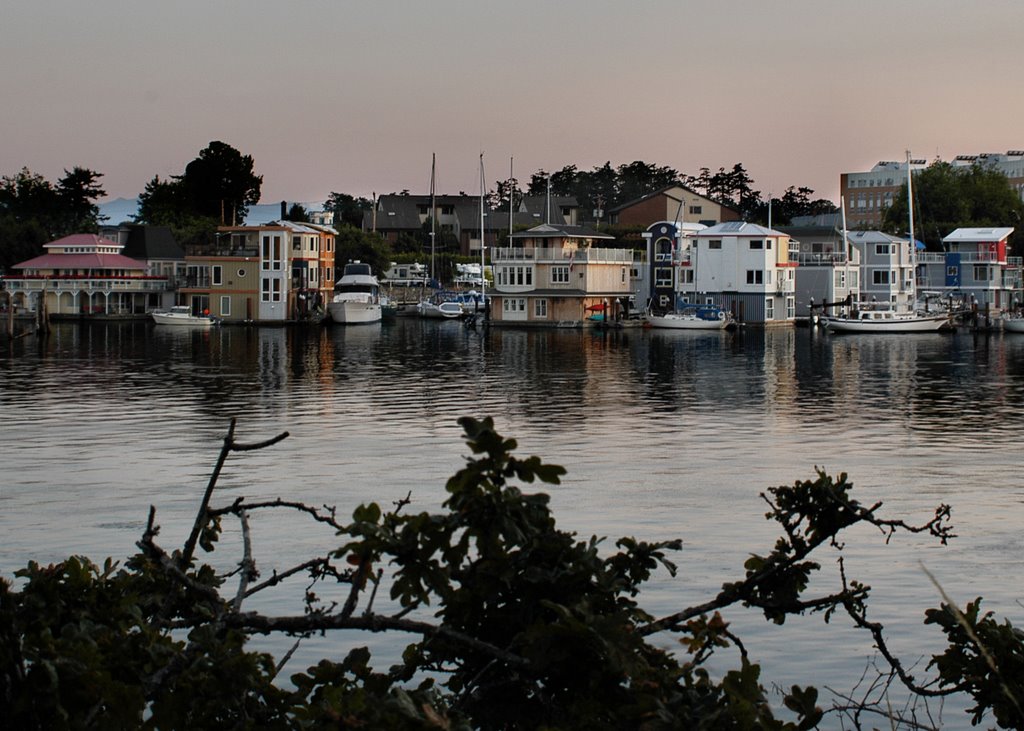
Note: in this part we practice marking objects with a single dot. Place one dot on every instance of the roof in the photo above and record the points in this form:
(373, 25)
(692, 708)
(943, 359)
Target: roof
(979, 234)
(559, 231)
(81, 261)
(82, 240)
(664, 191)
(152, 242)
(739, 228)
(873, 237)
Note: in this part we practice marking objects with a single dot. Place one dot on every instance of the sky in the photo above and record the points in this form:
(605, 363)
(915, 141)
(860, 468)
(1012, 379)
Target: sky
(355, 97)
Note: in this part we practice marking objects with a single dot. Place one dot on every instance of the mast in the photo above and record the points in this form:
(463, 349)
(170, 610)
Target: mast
(912, 255)
(483, 235)
(511, 199)
(433, 213)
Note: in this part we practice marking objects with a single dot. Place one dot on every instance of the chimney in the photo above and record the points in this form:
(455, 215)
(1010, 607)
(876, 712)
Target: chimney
(284, 210)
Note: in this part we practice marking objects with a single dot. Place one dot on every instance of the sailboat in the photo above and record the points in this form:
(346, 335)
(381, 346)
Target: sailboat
(431, 307)
(887, 319)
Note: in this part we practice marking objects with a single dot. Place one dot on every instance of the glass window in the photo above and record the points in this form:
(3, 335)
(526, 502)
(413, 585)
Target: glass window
(715, 244)
(217, 273)
(225, 306)
(540, 308)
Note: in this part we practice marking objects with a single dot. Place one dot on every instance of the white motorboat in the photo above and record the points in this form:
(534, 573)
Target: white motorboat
(696, 317)
(356, 296)
(886, 321)
(446, 310)
(181, 315)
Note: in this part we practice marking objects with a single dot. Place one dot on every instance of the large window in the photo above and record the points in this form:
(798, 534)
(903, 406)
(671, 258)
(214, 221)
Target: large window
(560, 275)
(714, 244)
(217, 274)
(540, 309)
(663, 277)
(225, 306)
(981, 273)
(755, 276)
(882, 249)
(756, 244)
(769, 309)
(880, 276)
(271, 254)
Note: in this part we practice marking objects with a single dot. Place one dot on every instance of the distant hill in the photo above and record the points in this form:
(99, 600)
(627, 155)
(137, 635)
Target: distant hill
(124, 210)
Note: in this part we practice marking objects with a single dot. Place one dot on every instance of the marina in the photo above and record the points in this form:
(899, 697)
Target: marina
(664, 434)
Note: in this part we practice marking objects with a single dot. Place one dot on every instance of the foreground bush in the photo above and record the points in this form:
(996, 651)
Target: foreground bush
(516, 624)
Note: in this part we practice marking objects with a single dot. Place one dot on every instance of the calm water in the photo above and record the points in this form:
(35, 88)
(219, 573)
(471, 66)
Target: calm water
(664, 435)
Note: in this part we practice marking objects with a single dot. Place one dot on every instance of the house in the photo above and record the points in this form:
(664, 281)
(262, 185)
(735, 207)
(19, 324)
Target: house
(274, 272)
(553, 274)
(395, 216)
(667, 243)
(672, 203)
(975, 265)
(887, 269)
(829, 269)
(86, 275)
(744, 268)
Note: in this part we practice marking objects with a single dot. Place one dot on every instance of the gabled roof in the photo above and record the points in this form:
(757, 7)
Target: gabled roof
(664, 191)
(873, 237)
(560, 231)
(739, 228)
(978, 235)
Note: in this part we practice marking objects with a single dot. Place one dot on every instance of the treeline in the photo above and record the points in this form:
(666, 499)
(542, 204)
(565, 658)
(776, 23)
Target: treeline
(34, 211)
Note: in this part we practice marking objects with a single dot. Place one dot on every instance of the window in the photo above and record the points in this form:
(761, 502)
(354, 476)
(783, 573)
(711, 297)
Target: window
(296, 243)
(790, 308)
(686, 276)
(559, 275)
(265, 290)
(756, 244)
(715, 244)
(882, 249)
(540, 308)
(981, 273)
(663, 277)
(276, 292)
(217, 275)
(880, 276)
(271, 253)
(623, 275)
(225, 306)
(769, 309)
(768, 244)
(696, 210)
(755, 276)
(840, 278)
(952, 271)
(241, 273)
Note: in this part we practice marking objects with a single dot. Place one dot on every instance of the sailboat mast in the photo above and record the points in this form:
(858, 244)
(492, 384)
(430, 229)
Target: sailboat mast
(910, 215)
(433, 213)
(483, 235)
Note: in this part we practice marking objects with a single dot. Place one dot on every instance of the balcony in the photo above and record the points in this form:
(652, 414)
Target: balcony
(87, 283)
(966, 257)
(819, 259)
(558, 255)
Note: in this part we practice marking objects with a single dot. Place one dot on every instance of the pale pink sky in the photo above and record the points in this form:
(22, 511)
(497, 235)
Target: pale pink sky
(354, 97)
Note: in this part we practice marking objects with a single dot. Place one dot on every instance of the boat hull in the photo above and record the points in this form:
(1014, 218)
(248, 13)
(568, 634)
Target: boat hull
(1014, 324)
(355, 313)
(443, 311)
(894, 325)
(179, 320)
(683, 322)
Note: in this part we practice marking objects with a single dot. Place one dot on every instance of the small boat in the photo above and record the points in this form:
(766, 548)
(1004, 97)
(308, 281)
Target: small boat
(445, 310)
(356, 296)
(886, 321)
(692, 317)
(1014, 324)
(182, 315)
